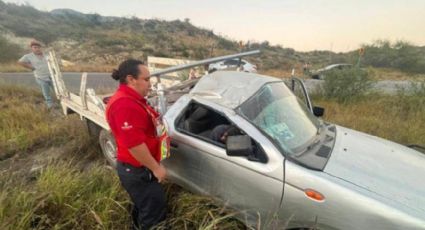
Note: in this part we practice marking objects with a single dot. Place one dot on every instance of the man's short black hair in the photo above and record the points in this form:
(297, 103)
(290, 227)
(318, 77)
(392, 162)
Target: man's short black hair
(127, 67)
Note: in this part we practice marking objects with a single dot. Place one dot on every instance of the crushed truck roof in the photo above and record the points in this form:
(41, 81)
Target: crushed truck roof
(230, 88)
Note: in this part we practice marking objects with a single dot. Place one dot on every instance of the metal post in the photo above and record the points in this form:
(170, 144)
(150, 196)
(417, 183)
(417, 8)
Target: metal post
(60, 82)
(293, 80)
(203, 62)
(83, 93)
(52, 71)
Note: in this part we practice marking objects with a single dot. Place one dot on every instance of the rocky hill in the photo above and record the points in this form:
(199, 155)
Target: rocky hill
(94, 39)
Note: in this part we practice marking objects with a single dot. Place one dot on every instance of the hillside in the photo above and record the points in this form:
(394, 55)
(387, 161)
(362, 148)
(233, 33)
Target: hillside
(92, 39)
(95, 39)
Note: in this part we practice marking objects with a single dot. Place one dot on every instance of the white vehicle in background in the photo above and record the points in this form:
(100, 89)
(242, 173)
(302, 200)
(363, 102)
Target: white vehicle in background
(233, 64)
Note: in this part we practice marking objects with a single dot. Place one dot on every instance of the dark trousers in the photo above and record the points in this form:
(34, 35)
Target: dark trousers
(147, 195)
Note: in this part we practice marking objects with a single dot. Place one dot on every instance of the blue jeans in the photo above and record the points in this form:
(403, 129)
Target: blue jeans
(45, 89)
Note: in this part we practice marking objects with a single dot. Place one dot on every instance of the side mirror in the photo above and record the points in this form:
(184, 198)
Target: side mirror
(318, 111)
(239, 146)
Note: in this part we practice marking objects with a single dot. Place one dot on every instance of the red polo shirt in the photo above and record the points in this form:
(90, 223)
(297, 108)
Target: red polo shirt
(131, 124)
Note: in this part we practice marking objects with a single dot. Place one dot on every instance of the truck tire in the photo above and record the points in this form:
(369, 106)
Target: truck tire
(93, 128)
(108, 146)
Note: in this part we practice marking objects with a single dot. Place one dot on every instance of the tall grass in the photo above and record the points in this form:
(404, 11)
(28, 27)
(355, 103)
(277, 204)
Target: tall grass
(399, 118)
(189, 211)
(393, 74)
(103, 68)
(346, 85)
(25, 123)
(63, 197)
(77, 190)
(66, 197)
(12, 67)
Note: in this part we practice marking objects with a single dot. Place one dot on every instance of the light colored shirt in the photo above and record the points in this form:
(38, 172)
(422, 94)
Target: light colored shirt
(39, 62)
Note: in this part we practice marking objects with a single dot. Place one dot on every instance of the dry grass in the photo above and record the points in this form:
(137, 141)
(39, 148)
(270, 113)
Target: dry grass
(400, 118)
(189, 211)
(25, 122)
(74, 189)
(392, 74)
(64, 197)
(12, 67)
(90, 68)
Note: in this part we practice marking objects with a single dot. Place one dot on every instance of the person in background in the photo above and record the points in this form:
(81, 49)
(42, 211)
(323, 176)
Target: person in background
(37, 62)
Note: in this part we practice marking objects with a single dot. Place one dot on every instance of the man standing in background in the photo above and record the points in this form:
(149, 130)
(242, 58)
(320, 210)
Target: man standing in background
(37, 62)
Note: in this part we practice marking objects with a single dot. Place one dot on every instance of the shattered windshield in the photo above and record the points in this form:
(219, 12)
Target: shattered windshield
(282, 116)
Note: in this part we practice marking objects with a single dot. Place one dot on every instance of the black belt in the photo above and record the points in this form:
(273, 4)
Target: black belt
(148, 175)
(130, 165)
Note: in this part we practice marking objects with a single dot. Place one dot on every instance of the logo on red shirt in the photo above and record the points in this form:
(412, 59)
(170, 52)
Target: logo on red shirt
(126, 126)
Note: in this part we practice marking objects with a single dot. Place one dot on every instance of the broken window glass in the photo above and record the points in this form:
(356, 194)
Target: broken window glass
(282, 116)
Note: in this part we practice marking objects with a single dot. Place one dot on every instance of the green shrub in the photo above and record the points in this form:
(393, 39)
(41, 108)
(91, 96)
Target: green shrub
(107, 42)
(418, 90)
(398, 55)
(347, 84)
(9, 51)
(411, 97)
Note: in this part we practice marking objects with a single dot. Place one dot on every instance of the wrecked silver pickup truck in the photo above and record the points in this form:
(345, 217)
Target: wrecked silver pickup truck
(283, 167)
(287, 167)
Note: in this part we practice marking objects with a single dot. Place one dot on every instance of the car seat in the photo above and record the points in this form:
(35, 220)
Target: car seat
(198, 121)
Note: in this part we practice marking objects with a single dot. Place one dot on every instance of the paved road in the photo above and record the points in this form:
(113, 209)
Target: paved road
(100, 81)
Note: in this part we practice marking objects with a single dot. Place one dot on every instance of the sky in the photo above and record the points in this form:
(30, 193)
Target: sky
(336, 25)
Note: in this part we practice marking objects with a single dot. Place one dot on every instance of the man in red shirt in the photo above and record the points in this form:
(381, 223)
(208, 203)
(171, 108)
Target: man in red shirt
(131, 121)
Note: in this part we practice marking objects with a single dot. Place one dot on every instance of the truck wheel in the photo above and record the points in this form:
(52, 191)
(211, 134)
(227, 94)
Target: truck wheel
(93, 128)
(108, 146)
(315, 76)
